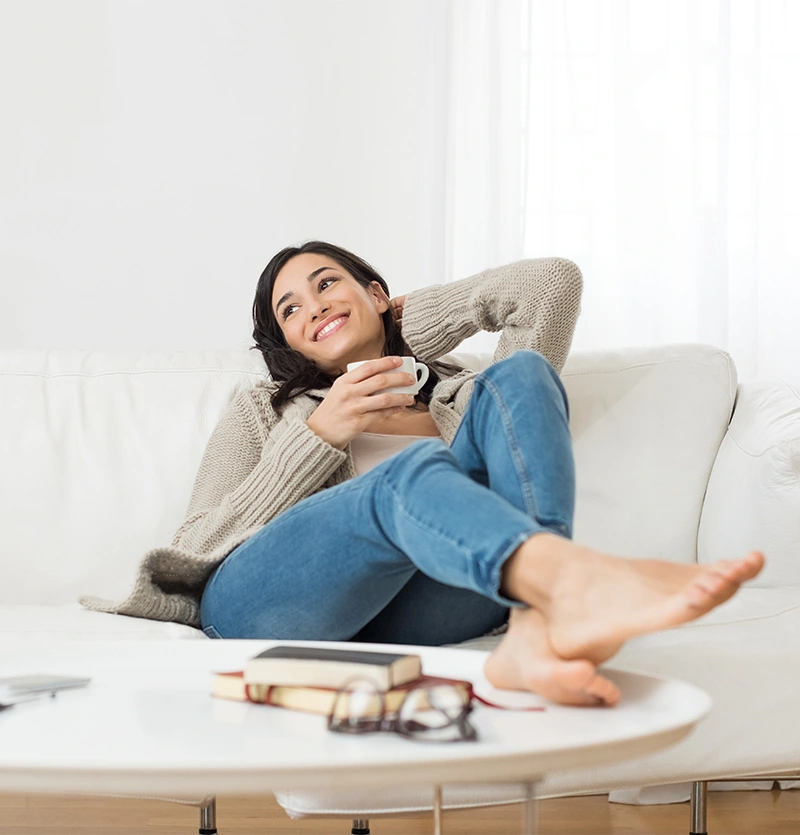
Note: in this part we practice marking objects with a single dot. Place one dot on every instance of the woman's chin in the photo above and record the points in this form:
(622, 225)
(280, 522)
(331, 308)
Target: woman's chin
(334, 358)
(334, 363)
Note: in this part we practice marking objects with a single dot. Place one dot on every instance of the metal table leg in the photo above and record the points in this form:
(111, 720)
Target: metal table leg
(437, 810)
(529, 810)
(208, 817)
(529, 819)
(698, 808)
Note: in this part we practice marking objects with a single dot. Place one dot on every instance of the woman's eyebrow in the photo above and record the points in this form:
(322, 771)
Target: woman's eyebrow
(311, 277)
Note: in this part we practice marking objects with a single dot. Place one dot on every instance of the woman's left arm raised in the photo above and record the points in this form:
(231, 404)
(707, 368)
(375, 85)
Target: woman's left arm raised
(535, 303)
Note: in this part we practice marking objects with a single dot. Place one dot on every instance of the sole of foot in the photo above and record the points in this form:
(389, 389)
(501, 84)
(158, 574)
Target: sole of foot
(596, 602)
(525, 660)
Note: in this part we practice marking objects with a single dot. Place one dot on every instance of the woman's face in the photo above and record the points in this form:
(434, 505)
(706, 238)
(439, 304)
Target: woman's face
(313, 292)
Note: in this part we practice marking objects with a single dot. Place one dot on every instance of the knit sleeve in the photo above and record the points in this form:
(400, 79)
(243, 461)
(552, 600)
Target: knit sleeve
(535, 303)
(246, 479)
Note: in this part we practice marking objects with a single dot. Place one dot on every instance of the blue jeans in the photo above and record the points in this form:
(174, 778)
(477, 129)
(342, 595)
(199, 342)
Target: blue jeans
(412, 551)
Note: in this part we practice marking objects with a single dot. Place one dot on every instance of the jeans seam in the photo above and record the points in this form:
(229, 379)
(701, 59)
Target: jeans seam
(519, 463)
(488, 382)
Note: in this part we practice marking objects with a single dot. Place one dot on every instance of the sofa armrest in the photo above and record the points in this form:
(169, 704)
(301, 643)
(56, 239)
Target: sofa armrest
(753, 496)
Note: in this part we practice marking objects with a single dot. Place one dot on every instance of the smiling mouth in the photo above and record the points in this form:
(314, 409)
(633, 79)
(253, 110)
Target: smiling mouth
(334, 326)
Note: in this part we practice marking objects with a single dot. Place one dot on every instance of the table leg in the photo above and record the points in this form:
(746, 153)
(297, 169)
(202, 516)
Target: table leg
(437, 810)
(208, 817)
(529, 810)
(698, 808)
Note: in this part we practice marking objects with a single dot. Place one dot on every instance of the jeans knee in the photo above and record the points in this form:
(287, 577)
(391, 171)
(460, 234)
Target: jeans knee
(528, 370)
(529, 361)
(522, 367)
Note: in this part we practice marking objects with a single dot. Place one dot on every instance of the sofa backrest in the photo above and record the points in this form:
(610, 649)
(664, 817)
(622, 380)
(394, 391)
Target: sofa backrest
(99, 452)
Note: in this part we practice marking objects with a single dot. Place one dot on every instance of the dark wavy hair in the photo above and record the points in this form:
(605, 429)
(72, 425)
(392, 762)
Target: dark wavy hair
(289, 367)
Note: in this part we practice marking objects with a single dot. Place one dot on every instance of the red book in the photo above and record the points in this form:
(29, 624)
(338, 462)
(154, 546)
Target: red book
(320, 700)
(232, 685)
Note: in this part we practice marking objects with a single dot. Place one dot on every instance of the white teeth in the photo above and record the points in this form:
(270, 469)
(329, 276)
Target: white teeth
(330, 326)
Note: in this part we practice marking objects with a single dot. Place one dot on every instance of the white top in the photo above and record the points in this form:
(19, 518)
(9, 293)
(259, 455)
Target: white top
(147, 725)
(370, 448)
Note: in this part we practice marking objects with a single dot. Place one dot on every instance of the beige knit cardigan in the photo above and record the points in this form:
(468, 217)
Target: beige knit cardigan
(257, 465)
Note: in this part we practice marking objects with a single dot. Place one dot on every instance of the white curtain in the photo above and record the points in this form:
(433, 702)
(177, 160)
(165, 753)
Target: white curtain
(654, 142)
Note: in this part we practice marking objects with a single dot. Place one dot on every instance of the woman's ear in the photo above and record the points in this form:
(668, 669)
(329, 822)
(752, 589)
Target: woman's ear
(381, 299)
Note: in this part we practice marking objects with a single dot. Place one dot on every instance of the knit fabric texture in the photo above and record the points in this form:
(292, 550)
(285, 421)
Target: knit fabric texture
(257, 465)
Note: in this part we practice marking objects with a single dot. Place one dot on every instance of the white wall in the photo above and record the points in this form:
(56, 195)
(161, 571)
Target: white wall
(154, 154)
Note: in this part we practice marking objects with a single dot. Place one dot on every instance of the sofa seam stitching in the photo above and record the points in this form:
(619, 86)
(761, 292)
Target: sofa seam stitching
(744, 620)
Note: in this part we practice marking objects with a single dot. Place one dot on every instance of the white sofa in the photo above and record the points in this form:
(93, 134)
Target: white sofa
(100, 450)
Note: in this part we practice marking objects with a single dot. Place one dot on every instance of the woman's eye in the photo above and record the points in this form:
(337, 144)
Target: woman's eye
(288, 309)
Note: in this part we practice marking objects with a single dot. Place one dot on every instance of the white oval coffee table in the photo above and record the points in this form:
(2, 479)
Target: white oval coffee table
(147, 725)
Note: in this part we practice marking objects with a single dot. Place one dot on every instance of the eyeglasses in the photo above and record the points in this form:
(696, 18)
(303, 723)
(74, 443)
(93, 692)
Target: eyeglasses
(429, 712)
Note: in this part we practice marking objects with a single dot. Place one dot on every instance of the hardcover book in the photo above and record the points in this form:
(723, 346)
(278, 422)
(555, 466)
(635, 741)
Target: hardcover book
(232, 685)
(323, 667)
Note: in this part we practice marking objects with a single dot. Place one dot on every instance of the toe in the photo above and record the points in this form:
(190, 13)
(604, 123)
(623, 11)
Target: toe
(604, 690)
(710, 590)
(715, 583)
(752, 565)
(574, 675)
(740, 570)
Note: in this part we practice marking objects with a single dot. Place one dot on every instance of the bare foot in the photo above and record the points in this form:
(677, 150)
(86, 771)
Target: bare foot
(524, 660)
(592, 602)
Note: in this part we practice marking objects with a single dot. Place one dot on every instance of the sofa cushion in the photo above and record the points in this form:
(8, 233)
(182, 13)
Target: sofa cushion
(71, 622)
(646, 425)
(756, 482)
(104, 449)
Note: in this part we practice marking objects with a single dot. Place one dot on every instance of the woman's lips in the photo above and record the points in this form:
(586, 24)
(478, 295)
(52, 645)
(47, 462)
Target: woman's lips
(341, 323)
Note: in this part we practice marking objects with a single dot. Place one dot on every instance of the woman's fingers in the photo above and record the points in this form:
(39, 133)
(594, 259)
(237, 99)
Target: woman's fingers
(380, 374)
(372, 367)
(370, 381)
(388, 380)
(397, 305)
(377, 402)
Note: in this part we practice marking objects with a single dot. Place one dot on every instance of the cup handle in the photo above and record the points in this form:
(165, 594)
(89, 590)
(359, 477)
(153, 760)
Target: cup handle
(420, 366)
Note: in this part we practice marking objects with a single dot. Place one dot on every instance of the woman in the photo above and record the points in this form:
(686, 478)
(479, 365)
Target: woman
(327, 509)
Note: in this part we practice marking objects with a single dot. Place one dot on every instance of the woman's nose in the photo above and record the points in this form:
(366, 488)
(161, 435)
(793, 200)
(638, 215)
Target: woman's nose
(318, 310)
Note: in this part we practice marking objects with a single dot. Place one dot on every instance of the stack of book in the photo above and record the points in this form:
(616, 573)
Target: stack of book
(309, 678)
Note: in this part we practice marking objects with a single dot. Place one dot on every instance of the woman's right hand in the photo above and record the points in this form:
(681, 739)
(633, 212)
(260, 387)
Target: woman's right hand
(352, 406)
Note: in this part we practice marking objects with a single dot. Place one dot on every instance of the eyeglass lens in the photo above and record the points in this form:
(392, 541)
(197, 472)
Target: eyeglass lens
(433, 713)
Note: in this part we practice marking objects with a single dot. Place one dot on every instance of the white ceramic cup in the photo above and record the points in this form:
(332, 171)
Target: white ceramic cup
(409, 366)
